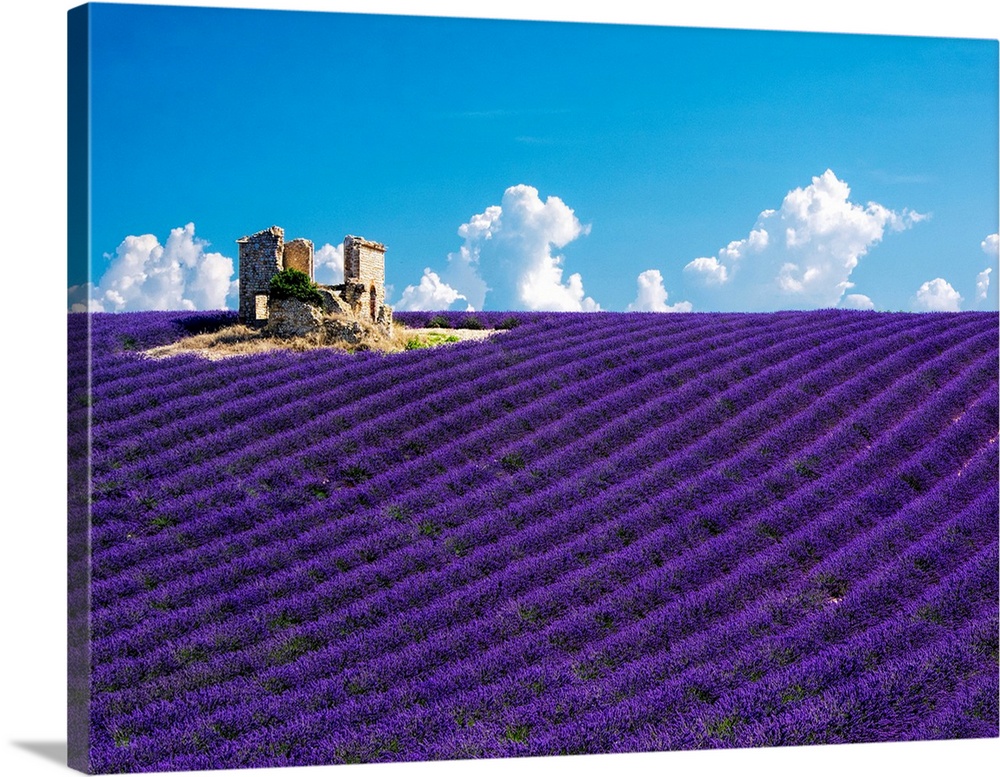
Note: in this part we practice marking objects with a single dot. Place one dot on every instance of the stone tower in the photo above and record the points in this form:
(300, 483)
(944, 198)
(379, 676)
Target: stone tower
(262, 256)
(364, 265)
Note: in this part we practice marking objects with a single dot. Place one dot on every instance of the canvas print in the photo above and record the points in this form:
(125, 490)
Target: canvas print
(451, 388)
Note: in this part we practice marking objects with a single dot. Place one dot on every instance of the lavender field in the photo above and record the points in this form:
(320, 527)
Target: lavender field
(589, 533)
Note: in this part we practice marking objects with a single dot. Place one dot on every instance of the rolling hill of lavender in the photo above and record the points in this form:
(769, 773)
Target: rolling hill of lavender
(590, 533)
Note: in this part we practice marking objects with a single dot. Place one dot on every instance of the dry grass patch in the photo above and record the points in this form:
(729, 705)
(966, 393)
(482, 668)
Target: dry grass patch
(240, 340)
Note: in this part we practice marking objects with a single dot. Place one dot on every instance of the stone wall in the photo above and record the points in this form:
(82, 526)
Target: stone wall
(261, 257)
(293, 318)
(299, 256)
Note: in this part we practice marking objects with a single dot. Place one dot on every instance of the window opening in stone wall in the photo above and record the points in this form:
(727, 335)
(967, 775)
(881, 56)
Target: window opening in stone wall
(371, 294)
(260, 305)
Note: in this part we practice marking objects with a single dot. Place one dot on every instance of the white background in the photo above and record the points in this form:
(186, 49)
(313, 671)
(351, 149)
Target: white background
(32, 381)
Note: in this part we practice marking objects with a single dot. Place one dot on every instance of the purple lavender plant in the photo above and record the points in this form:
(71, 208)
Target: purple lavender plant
(590, 533)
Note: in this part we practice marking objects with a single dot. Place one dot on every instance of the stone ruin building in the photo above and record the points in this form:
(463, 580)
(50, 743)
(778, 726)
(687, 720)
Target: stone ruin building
(360, 297)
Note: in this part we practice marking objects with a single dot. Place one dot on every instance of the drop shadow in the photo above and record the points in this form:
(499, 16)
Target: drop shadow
(50, 751)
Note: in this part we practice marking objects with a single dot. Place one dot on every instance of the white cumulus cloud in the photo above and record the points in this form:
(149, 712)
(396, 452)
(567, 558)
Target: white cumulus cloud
(991, 245)
(983, 284)
(328, 264)
(78, 296)
(708, 270)
(801, 254)
(652, 295)
(756, 242)
(509, 255)
(430, 294)
(936, 295)
(857, 302)
(180, 275)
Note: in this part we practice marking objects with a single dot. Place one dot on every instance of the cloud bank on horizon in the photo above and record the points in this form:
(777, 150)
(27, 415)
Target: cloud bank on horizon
(508, 256)
(652, 295)
(430, 294)
(145, 275)
(936, 296)
(799, 255)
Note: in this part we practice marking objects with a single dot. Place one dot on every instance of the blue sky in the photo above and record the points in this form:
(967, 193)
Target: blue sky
(34, 67)
(517, 164)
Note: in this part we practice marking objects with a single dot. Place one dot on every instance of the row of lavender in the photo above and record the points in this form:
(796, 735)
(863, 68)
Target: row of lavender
(591, 533)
